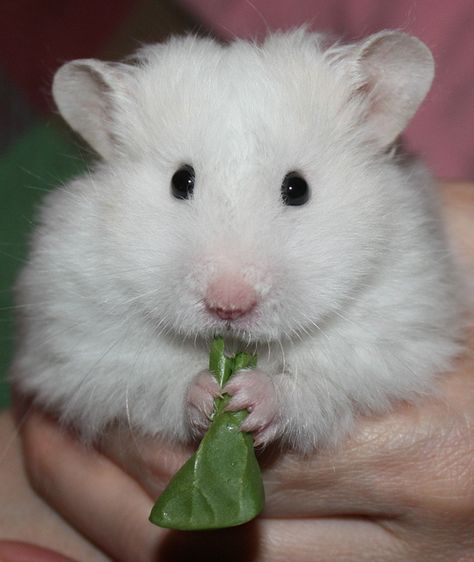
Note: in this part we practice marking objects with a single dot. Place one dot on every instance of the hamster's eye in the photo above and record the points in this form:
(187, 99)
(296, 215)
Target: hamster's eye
(182, 182)
(294, 189)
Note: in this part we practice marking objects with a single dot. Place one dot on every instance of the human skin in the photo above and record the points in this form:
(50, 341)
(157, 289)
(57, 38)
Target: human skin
(400, 489)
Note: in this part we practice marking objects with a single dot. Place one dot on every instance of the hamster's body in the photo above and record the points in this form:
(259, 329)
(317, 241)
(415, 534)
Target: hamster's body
(354, 298)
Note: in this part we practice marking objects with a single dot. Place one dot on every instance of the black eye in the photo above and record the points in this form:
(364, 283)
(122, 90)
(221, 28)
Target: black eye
(294, 189)
(182, 182)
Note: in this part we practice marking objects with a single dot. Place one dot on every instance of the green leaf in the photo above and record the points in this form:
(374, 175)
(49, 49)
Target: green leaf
(221, 484)
(220, 365)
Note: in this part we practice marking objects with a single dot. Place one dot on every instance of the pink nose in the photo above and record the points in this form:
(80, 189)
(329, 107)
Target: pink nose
(229, 297)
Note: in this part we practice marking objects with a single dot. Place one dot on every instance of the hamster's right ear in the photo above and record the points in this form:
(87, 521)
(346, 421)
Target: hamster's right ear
(86, 93)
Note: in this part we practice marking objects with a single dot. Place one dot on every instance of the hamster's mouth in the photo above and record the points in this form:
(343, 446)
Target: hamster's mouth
(202, 323)
(248, 329)
(235, 328)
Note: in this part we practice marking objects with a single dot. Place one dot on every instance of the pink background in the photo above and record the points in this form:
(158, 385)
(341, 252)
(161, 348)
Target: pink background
(443, 129)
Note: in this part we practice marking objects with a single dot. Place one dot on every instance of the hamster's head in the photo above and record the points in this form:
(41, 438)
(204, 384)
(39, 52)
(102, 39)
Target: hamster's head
(244, 187)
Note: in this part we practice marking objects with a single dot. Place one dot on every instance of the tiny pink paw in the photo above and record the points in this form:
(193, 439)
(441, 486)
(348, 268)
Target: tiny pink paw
(254, 390)
(200, 401)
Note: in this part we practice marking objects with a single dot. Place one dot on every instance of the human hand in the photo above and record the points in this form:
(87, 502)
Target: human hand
(24, 516)
(401, 489)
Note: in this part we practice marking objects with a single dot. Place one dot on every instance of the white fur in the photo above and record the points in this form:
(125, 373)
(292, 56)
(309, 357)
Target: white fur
(358, 302)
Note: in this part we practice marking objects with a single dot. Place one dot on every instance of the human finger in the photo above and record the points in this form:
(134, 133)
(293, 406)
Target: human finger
(15, 551)
(91, 492)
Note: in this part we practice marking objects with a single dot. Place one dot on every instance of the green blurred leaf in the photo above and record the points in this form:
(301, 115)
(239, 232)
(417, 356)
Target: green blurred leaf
(41, 159)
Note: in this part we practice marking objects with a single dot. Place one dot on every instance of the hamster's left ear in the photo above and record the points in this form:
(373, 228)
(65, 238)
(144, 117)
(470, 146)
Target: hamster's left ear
(397, 70)
(87, 93)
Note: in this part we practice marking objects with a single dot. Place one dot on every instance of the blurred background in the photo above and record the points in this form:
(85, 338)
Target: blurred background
(37, 151)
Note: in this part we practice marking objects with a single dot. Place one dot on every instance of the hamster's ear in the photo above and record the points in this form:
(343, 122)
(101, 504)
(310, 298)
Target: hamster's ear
(397, 70)
(86, 93)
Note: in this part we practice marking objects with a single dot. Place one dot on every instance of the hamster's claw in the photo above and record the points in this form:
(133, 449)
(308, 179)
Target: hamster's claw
(254, 390)
(200, 402)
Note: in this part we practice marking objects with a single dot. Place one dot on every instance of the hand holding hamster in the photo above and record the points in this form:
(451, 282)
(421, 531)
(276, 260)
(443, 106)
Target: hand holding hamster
(254, 190)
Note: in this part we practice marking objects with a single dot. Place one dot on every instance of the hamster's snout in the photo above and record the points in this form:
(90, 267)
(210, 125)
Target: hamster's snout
(230, 297)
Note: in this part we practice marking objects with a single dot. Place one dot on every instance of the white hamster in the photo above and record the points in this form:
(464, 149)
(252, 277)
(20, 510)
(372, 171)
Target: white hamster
(251, 190)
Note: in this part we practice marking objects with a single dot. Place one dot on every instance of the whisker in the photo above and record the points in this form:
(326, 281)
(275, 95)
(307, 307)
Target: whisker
(13, 257)
(283, 355)
(92, 372)
(14, 435)
(260, 15)
(269, 350)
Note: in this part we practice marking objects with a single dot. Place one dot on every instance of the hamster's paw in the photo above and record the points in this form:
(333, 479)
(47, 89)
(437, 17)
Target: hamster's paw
(200, 402)
(254, 390)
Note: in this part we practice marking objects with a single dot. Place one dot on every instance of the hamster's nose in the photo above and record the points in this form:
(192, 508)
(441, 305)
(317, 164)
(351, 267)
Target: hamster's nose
(229, 297)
